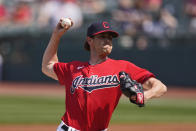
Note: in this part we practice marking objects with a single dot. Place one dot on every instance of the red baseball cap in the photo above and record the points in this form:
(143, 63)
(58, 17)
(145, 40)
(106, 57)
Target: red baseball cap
(98, 28)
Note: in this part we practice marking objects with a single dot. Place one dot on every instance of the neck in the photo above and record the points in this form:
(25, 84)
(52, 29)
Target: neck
(97, 60)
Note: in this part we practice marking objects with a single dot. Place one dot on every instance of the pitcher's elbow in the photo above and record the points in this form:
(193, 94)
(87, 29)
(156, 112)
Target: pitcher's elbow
(43, 69)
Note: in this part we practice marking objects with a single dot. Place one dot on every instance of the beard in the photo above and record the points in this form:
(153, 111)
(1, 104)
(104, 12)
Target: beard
(105, 51)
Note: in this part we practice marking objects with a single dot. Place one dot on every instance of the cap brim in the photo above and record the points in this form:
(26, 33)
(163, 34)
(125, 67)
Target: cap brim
(114, 33)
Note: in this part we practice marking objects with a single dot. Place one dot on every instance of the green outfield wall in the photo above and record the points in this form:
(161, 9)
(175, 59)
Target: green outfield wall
(172, 60)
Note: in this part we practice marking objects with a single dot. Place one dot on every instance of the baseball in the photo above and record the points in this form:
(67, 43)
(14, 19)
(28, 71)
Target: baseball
(65, 22)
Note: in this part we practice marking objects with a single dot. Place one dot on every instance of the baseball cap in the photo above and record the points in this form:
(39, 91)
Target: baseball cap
(98, 28)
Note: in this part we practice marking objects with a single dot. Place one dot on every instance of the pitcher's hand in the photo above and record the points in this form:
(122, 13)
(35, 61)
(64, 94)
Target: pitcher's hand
(60, 30)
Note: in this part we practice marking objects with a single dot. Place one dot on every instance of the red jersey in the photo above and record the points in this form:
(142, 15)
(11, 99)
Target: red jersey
(93, 91)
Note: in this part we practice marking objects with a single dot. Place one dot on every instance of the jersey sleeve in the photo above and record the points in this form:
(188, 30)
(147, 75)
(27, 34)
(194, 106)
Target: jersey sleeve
(61, 71)
(138, 74)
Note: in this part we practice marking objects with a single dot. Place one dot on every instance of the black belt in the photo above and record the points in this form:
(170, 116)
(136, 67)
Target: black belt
(64, 127)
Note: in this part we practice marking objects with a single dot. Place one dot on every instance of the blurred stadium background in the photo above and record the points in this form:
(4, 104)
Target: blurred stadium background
(158, 35)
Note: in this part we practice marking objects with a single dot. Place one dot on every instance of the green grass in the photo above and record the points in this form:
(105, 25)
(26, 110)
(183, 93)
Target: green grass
(29, 110)
(48, 110)
(159, 110)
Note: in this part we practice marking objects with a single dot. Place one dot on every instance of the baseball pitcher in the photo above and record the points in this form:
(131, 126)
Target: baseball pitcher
(93, 88)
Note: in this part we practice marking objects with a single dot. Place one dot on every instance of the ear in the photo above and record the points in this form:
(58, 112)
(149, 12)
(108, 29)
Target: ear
(89, 40)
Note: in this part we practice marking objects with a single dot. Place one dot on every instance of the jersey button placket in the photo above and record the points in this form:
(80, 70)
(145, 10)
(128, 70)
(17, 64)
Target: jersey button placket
(91, 68)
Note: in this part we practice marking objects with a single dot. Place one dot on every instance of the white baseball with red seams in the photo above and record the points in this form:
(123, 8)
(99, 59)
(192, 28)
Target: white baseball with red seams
(65, 22)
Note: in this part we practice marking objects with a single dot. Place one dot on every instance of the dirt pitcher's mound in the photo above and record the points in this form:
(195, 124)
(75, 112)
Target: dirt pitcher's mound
(153, 127)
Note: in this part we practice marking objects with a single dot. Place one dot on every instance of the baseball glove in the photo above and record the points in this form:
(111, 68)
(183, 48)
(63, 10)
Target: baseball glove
(132, 89)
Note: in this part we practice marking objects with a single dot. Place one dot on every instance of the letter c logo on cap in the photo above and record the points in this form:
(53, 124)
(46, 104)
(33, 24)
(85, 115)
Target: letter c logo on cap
(106, 25)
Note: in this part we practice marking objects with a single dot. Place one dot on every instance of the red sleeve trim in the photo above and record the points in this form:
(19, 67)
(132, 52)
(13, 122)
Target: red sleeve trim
(60, 78)
(145, 77)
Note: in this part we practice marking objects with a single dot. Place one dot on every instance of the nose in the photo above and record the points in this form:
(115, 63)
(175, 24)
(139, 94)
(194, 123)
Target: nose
(107, 41)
